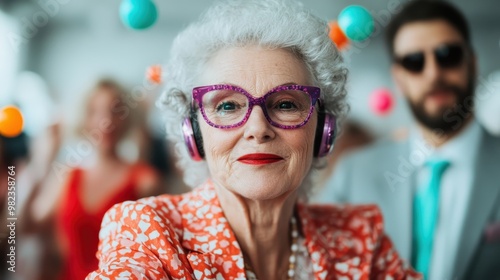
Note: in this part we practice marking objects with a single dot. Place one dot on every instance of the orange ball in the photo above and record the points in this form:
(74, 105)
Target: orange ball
(154, 74)
(11, 121)
(337, 35)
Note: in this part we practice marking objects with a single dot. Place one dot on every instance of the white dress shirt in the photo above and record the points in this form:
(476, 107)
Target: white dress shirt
(455, 189)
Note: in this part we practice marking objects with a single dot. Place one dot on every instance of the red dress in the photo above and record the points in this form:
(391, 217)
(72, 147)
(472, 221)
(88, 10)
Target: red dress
(79, 229)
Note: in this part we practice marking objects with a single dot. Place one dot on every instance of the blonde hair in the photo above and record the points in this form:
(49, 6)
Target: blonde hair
(111, 86)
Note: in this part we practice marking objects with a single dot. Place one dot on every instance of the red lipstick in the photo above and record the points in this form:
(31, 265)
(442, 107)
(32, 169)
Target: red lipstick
(257, 159)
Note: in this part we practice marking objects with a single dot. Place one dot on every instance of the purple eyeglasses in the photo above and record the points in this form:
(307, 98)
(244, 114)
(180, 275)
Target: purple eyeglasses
(228, 106)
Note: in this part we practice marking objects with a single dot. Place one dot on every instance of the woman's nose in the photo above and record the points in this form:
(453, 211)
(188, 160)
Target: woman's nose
(257, 127)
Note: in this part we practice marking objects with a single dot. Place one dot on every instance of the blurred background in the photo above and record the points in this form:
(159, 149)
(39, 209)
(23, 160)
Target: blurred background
(52, 53)
(85, 40)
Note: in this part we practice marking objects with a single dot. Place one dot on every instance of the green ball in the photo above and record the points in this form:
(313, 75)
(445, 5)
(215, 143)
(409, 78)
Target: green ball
(356, 22)
(138, 14)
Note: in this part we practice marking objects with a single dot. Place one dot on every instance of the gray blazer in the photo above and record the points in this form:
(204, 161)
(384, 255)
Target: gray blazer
(367, 176)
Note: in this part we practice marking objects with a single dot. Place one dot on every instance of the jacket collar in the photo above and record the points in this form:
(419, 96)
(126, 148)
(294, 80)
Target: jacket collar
(316, 243)
(206, 231)
(203, 220)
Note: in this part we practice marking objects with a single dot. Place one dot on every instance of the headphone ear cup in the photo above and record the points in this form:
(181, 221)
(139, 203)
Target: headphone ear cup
(197, 134)
(325, 135)
(192, 138)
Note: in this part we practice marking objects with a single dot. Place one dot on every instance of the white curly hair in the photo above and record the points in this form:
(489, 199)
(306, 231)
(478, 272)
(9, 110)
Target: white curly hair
(282, 24)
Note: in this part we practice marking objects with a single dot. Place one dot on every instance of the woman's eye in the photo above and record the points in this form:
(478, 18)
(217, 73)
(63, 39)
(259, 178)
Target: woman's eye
(286, 105)
(226, 106)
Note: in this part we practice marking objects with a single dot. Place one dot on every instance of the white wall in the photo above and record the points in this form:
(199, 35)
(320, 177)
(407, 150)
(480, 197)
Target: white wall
(9, 58)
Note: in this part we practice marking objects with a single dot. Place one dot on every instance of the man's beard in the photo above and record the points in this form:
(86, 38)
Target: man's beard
(449, 118)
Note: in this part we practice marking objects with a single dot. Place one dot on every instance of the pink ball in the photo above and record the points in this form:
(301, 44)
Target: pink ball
(381, 101)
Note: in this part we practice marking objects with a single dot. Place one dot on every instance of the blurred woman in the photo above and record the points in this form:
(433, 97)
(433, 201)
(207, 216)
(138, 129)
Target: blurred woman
(77, 199)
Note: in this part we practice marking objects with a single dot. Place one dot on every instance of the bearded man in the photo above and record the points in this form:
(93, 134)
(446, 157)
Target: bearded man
(439, 189)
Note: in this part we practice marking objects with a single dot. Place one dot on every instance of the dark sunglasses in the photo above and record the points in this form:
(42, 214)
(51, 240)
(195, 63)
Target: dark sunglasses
(447, 57)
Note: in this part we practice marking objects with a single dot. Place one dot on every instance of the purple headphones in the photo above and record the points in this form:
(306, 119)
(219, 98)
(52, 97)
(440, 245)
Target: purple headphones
(323, 142)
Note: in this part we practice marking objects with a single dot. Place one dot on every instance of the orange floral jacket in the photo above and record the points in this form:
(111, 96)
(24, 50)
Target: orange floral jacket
(187, 237)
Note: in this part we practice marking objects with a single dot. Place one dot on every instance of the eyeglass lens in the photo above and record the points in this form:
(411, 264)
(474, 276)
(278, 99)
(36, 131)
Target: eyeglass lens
(447, 56)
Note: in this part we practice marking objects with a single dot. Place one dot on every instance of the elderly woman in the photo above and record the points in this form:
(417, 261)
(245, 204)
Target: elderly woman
(256, 86)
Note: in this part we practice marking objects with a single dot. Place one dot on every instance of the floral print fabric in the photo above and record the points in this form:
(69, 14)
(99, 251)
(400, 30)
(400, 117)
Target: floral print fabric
(187, 237)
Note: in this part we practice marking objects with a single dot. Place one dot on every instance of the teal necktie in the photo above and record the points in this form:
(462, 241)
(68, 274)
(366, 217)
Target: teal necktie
(425, 215)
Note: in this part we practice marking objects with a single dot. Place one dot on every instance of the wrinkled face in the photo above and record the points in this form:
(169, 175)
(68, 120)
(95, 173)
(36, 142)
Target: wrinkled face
(440, 94)
(257, 160)
(105, 121)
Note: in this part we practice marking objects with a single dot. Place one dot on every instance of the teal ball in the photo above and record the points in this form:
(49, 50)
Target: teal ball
(356, 22)
(138, 14)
